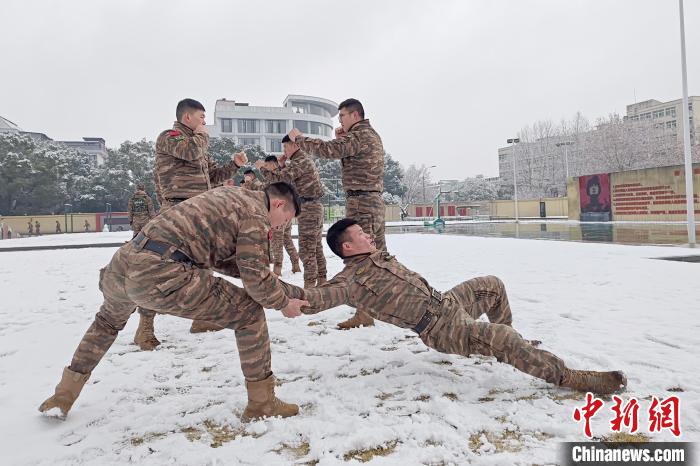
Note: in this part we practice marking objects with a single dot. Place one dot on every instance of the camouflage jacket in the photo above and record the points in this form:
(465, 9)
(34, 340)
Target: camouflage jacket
(255, 185)
(140, 206)
(225, 229)
(183, 167)
(361, 154)
(299, 171)
(378, 284)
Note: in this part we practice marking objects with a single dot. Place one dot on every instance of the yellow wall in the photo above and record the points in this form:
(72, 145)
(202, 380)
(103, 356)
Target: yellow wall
(48, 223)
(652, 194)
(554, 207)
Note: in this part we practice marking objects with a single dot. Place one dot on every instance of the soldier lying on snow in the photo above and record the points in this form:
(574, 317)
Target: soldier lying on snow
(376, 282)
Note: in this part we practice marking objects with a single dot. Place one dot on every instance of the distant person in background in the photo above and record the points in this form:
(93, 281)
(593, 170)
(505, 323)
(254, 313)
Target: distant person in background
(58, 227)
(86, 226)
(37, 227)
(30, 228)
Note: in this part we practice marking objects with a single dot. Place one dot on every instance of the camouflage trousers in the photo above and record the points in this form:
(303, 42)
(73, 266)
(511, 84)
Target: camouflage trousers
(310, 222)
(458, 332)
(282, 238)
(137, 224)
(369, 211)
(141, 278)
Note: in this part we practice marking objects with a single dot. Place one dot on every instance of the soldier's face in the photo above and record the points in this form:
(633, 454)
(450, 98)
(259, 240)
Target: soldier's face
(289, 148)
(194, 119)
(347, 119)
(357, 241)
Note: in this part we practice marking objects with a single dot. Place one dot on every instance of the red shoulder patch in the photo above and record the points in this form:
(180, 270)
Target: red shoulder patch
(174, 133)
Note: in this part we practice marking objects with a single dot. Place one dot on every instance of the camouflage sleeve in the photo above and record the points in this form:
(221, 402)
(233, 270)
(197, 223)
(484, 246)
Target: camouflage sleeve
(345, 146)
(329, 295)
(218, 174)
(252, 258)
(185, 148)
(292, 171)
(156, 181)
(292, 291)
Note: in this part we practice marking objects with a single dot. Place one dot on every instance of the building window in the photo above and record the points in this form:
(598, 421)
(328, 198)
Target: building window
(319, 128)
(276, 126)
(248, 126)
(658, 113)
(226, 125)
(319, 110)
(671, 124)
(300, 107)
(274, 145)
(250, 142)
(302, 126)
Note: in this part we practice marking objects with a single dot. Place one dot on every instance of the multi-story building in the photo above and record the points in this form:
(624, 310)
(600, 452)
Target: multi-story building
(266, 126)
(667, 114)
(556, 158)
(95, 147)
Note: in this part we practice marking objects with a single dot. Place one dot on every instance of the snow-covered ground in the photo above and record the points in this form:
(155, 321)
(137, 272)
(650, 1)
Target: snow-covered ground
(375, 393)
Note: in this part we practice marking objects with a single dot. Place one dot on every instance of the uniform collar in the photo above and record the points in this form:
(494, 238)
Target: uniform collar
(184, 128)
(360, 125)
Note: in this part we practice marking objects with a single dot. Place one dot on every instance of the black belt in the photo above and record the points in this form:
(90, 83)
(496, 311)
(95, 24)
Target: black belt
(176, 200)
(355, 192)
(430, 315)
(162, 249)
(308, 199)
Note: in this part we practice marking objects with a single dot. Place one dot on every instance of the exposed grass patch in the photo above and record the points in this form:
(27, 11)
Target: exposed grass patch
(369, 453)
(422, 397)
(625, 437)
(451, 396)
(507, 440)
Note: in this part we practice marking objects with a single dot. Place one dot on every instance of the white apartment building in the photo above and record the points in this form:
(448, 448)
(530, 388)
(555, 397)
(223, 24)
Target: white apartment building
(266, 126)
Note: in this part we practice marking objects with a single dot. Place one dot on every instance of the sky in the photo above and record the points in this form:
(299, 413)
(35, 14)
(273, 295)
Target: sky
(445, 83)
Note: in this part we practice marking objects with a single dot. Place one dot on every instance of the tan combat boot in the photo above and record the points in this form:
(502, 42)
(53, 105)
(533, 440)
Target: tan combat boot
(601, 383)
(66, 392)
(360, 319)
(277, 270)
(201, 326)
(262, 401)
(144, 336)
(295, 266)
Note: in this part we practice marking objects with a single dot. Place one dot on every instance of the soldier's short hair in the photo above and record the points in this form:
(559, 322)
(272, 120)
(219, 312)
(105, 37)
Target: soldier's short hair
(286, 139)
(141, 186)
(271, 158)
(352, 105)
(286, 191)
(336, 235)
(187, 106)
(248, 171)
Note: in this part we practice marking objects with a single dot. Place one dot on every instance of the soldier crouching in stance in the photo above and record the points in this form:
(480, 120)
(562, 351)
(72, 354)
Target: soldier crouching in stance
(380, 284)
(168, 268)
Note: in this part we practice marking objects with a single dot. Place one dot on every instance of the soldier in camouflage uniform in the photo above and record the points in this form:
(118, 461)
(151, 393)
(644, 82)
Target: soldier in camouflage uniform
(30, 228)
(168, 267)
(280, 239)
(140, 209)
(299, 170)
(446, 322)
(184, 169)
(37, 228)
(251, 181)
(361, 153)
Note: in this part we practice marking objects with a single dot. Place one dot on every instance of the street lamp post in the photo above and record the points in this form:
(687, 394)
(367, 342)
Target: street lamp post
(690, 202)
(512, 143)
(566, 145)
(66, 208)
(425, 170)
